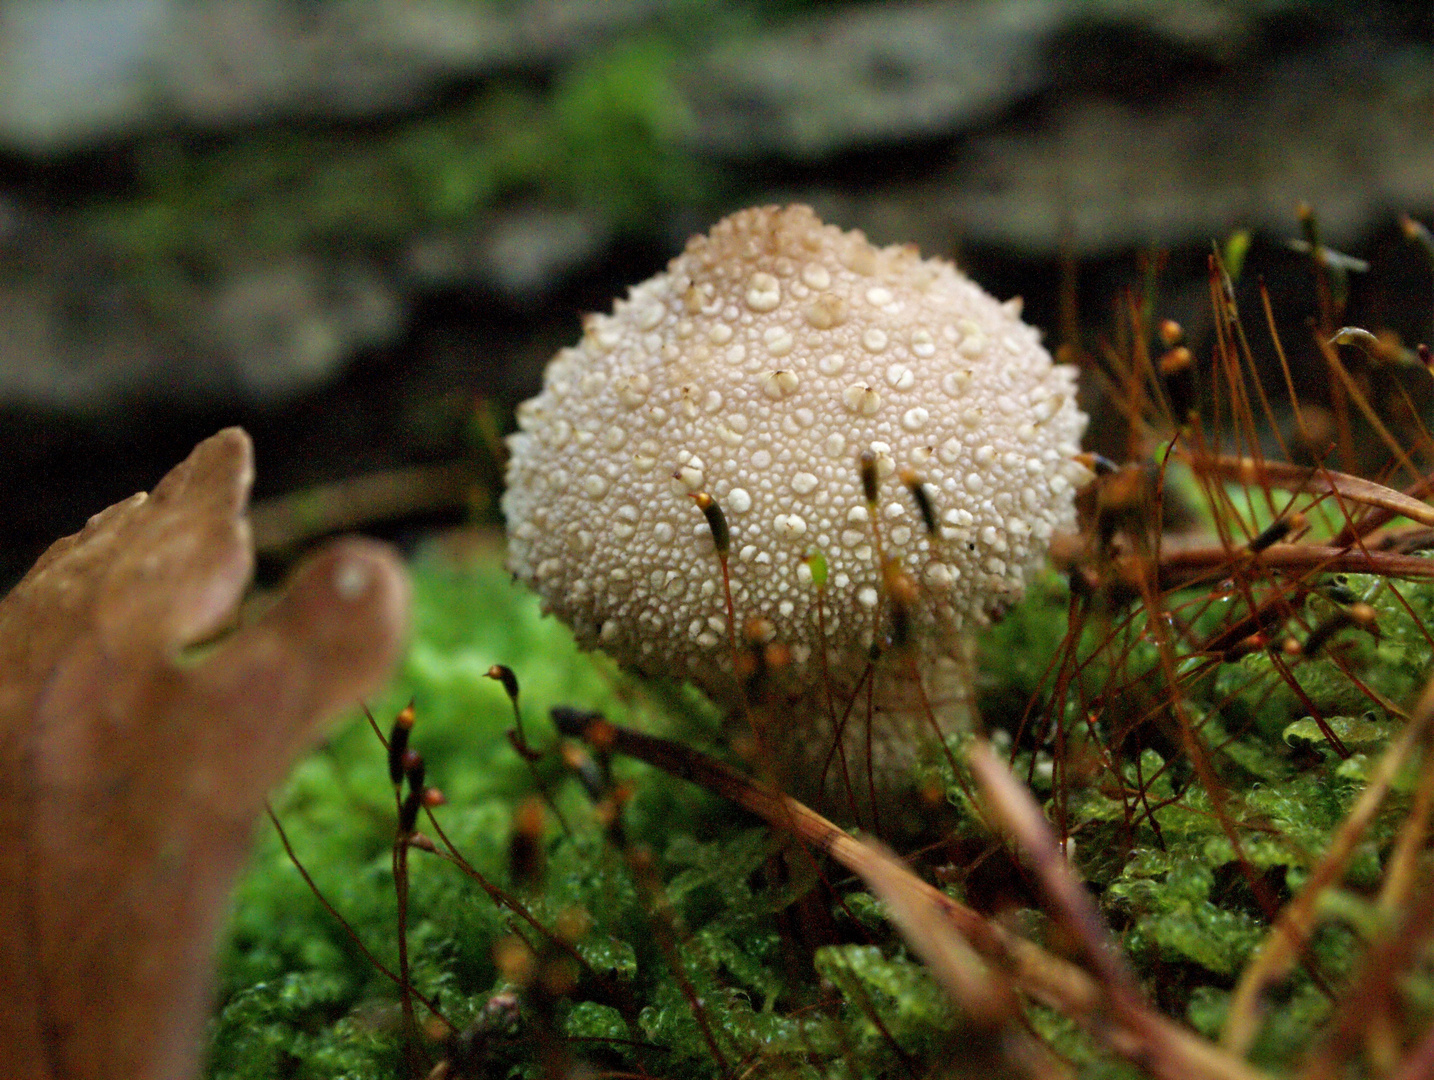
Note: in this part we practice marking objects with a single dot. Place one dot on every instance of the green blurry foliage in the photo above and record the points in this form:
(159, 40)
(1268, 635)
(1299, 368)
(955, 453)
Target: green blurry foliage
(619, 125)
(606, 136)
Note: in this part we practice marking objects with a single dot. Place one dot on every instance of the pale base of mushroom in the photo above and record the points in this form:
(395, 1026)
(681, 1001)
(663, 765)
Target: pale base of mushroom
(893, 716)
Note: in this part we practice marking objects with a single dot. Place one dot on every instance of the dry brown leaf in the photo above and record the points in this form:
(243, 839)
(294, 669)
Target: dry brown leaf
(132, 774)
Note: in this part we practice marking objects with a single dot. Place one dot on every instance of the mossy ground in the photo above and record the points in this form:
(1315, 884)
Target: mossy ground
(796, 977)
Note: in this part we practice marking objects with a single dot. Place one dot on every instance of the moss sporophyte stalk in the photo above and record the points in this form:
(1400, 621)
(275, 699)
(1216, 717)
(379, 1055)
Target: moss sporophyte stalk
(1183, 834)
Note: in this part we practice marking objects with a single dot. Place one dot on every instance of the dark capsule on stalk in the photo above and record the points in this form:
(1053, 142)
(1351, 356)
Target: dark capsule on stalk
(1337, 589)
(414, 771)
(752, 670)
(1360, 615)
(868, 476)
(505, 676)
(1097, 463)
(1177, 373)
(1084, 582)
(1363, 615)
(408, 811)
(574, 723)
(923, 500)
(1246, 645)
(900, 625)
(1318, 638)
(413, 802)
(716, 521)
(419, 793)
(1176, 360)
(1276, 531)
(903, 594)
(525, 847)
(589, 773)
(752, 665)
(510, 687)
(398, 742)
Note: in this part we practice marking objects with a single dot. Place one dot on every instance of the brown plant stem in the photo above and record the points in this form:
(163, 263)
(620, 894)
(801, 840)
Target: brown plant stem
(1142, 1036)
(283, 523)
(1317, 481)
(1178, 569)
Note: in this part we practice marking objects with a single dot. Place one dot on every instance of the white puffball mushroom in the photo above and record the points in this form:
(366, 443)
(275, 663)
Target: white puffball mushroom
(770, 356)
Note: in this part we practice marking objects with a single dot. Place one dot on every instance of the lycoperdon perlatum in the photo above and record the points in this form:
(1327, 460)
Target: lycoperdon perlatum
(758, 368)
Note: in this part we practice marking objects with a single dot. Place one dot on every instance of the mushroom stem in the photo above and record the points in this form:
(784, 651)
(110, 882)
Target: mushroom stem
(870, 727)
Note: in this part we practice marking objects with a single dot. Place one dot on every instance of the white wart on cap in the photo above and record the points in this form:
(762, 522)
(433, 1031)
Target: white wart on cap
(758, 368)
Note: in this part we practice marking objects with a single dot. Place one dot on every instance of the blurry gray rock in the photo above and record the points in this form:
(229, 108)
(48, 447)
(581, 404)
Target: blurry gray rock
(75, 338)
(74, 73)
(521, 253)
(71, 338)
(861, 76)
(279, 329)
(867, 75)
(1052, 125)
(1346, 129)
(1349, 130)
(55, 358)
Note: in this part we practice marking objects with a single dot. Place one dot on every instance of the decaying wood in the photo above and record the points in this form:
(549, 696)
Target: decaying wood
(133, 766)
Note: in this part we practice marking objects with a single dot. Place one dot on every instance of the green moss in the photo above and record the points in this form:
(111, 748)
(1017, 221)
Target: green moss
(298, 998)
(1172, 868)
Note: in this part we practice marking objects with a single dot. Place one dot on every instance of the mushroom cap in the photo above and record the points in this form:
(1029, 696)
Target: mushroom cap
(770, 355)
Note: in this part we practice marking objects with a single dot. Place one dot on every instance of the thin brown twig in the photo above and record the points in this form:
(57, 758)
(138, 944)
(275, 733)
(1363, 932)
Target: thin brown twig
(1012, 805)
(287, 521)
(1313, 480)
(1144, 1037)
(1178, 569)
(379, 966)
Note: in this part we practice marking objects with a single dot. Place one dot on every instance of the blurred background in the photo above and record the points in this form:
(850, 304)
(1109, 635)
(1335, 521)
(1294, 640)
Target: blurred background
(360, 227)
